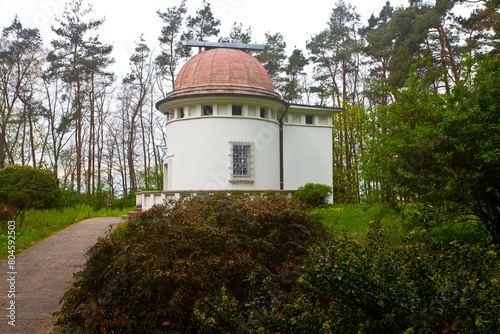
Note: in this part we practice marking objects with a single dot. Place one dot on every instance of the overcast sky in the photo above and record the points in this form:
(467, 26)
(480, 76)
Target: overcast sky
(127, 19)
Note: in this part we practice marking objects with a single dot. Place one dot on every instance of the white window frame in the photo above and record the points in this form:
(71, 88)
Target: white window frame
(250, 176)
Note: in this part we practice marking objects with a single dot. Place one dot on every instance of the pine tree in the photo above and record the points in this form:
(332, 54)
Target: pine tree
(273, 56)
(68, 61)
(203, 25)
(237, 35)
(334, 52)
(171, 41)
(291, 85)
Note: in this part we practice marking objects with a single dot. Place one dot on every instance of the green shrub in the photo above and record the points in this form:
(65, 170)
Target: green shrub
(314, 194)
(19, 200)
(26, 187)
(126, 201)
(100, 197)
(70, 198)
(372, 287)
(4, 197)
(148, 276)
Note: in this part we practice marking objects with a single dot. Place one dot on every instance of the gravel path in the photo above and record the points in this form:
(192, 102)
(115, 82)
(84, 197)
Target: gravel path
(43, 272)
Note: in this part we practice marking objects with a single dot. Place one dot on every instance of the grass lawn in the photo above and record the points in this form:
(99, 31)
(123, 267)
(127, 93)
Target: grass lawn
(42, 224)
(354, 219)
(351, 219)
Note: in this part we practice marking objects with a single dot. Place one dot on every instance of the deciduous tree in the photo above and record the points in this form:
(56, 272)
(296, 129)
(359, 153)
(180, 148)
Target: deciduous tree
(20, 58)
(440, 148)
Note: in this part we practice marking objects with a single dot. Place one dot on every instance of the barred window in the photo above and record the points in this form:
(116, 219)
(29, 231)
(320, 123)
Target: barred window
(240, 159)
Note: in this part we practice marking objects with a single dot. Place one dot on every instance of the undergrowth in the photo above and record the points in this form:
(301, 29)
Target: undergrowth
(219, 264)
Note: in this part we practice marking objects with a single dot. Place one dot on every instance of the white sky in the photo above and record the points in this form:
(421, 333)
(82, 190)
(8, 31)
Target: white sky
(127, 19)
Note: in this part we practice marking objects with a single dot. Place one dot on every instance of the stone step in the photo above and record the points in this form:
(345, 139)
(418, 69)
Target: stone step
(131, 214)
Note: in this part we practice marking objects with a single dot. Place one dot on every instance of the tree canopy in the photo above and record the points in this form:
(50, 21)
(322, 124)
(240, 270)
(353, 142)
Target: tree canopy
(440, 148)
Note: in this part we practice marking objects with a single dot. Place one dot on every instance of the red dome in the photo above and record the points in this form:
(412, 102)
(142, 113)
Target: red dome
(223, 71)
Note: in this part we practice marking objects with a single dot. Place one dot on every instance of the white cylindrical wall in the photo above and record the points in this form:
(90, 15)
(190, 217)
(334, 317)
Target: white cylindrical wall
(199, 152)
(307, 155)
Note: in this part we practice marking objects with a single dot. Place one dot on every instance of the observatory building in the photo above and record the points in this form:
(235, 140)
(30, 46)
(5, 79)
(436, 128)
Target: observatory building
(228, 129)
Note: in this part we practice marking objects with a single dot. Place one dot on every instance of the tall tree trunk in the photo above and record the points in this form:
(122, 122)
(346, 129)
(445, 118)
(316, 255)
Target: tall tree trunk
(90, 169)
(32, 137)
(144, 150)
(78, 138)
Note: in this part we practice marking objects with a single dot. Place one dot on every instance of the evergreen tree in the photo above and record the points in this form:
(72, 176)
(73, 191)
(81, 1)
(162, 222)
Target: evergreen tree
(273, 56)
(410, 27)
(96, 59)
(171, 41)
(203, 25)
(291, 86)
(68, 61)
(482, 27)
(379, 36)
(334, 52)
(237, 35)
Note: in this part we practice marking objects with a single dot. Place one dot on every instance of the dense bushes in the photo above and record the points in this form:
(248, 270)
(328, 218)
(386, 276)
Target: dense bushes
(24, 187)
(314, 194)
(126, 201)
(219, 264)
(426, 287)
(148, 276)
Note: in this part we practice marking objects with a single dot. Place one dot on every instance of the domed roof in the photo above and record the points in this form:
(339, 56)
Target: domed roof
(223, 71)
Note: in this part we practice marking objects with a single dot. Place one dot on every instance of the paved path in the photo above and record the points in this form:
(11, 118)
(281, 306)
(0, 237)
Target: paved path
(43, 273)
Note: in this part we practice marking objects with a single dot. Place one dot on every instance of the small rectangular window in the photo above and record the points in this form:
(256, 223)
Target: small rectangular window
(236, 111)
(207, 110)
(181, 113)
(309, 119)
(262, 113)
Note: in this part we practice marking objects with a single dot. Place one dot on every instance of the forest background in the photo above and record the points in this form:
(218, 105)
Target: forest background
(63, 109)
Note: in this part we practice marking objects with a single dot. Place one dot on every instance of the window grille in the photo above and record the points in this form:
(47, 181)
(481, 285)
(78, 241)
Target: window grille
(241, 161)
